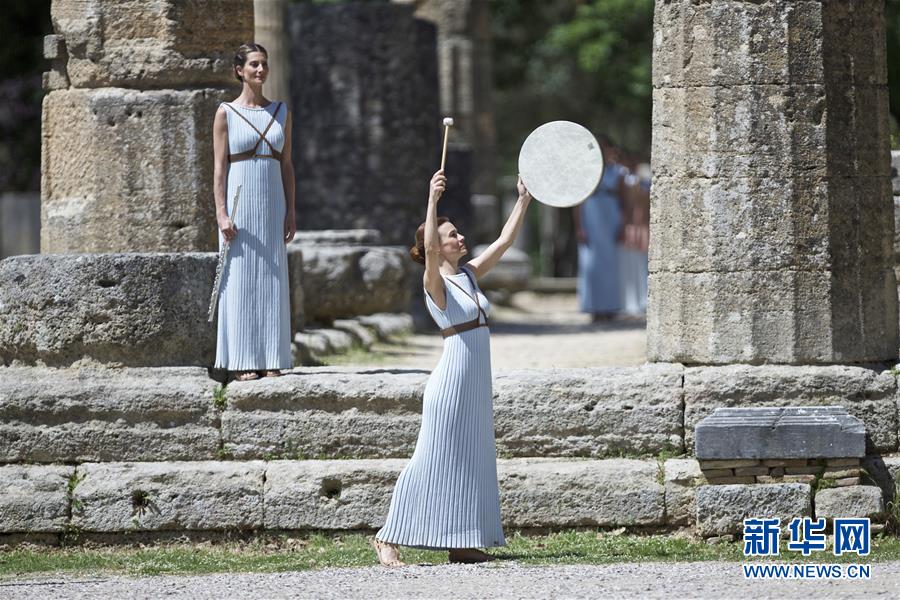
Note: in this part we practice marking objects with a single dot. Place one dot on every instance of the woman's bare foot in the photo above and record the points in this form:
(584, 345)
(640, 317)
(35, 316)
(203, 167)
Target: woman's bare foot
(469, 555)
(272, 373)
(388, 554)
(246, 376)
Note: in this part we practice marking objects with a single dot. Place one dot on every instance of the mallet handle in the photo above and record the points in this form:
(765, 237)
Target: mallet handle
(444, 152)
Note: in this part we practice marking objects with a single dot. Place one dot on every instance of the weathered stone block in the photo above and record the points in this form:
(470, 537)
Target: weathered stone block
(360, 334)
(125, 309)
(341, 413)
(34, 498)
(885, 472)
(682, 476)
(848, 481)
(809, 478)
(707, 131)
(790, 432)
(799, 223)
(867, 394)
(346, 281)
(588, 412)
(387, 325)
(352, 413)
(96, 414)
(364, 76)
(141, 177)
(731, 42)
(330, 494)
(169, 496)
(721, 509)
(168, 43)
(536, 492)
(54, 47)
(847, 502)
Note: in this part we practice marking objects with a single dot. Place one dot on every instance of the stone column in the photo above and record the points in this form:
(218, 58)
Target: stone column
(464, 59)
(127, 122)
(269, 19)
(366, 121)
(771, 211)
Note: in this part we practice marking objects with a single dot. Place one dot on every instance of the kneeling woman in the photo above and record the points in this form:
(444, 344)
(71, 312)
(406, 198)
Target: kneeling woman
(447, 497)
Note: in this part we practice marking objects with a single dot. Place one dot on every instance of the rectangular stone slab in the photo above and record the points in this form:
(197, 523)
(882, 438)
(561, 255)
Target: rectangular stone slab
(98, 414)
(33, 498)
(721, 509)
(789, 432)
(169, 496)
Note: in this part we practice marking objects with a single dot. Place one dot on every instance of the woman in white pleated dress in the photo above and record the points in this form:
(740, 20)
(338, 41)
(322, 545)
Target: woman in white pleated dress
(252, 146)
(447, 496)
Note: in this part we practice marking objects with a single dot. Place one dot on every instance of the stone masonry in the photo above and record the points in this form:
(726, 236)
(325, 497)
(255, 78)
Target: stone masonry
(99, 451)
(781, 462)
(127, 144)
(771, 210)
(365, 101)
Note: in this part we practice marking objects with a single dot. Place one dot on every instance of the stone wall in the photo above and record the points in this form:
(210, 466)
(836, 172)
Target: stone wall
(366, 121)
(127, 126)
(771, 194)
(107, 451)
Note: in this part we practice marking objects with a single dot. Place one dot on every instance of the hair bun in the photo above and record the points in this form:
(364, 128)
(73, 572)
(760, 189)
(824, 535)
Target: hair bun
(416, 255)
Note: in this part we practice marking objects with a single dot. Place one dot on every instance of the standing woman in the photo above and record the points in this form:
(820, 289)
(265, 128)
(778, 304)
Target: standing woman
(252, 146)
(598, 223)
(447, 496)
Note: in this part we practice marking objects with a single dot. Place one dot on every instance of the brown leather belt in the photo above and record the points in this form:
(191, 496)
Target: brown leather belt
(254, 151)
(467, 326)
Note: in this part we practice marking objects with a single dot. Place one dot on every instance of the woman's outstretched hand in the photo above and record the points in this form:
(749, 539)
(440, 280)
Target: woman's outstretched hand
(226, 227)
(524, 194)
(438, 185)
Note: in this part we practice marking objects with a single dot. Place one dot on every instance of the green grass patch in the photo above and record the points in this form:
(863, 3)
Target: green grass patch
(285, 553)
(355, 356)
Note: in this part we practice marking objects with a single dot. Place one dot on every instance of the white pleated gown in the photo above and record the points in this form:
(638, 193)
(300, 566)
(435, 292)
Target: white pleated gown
(447, 496)
(254, 329)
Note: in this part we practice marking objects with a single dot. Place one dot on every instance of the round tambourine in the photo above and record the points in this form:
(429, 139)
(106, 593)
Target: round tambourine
(561, 163)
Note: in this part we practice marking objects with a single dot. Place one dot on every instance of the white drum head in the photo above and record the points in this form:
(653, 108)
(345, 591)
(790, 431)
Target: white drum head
(561, 163)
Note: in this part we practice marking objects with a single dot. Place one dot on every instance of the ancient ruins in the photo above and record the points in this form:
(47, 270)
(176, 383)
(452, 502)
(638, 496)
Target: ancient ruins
(772, 287)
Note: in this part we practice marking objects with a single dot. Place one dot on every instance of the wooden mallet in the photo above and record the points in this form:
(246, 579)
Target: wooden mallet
(448, 123)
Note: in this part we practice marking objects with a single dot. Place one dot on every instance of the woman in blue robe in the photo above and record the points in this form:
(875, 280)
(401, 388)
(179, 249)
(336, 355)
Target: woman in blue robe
(598, 221)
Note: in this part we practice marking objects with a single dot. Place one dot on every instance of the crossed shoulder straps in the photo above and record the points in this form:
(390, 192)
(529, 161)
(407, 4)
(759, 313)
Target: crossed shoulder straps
(475, 290)
(254, 152)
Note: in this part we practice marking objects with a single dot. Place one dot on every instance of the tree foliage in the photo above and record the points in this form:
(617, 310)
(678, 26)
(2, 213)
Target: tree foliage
(587, 61)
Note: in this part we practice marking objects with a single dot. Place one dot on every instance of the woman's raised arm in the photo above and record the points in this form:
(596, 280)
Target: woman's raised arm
(434, 284)
(485, 261)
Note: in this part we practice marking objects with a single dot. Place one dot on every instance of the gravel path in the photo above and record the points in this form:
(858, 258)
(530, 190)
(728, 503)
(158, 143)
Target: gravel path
(538, 331)
(652, 580)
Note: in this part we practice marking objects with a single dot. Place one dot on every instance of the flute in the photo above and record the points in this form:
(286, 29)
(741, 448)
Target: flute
(220, 267)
